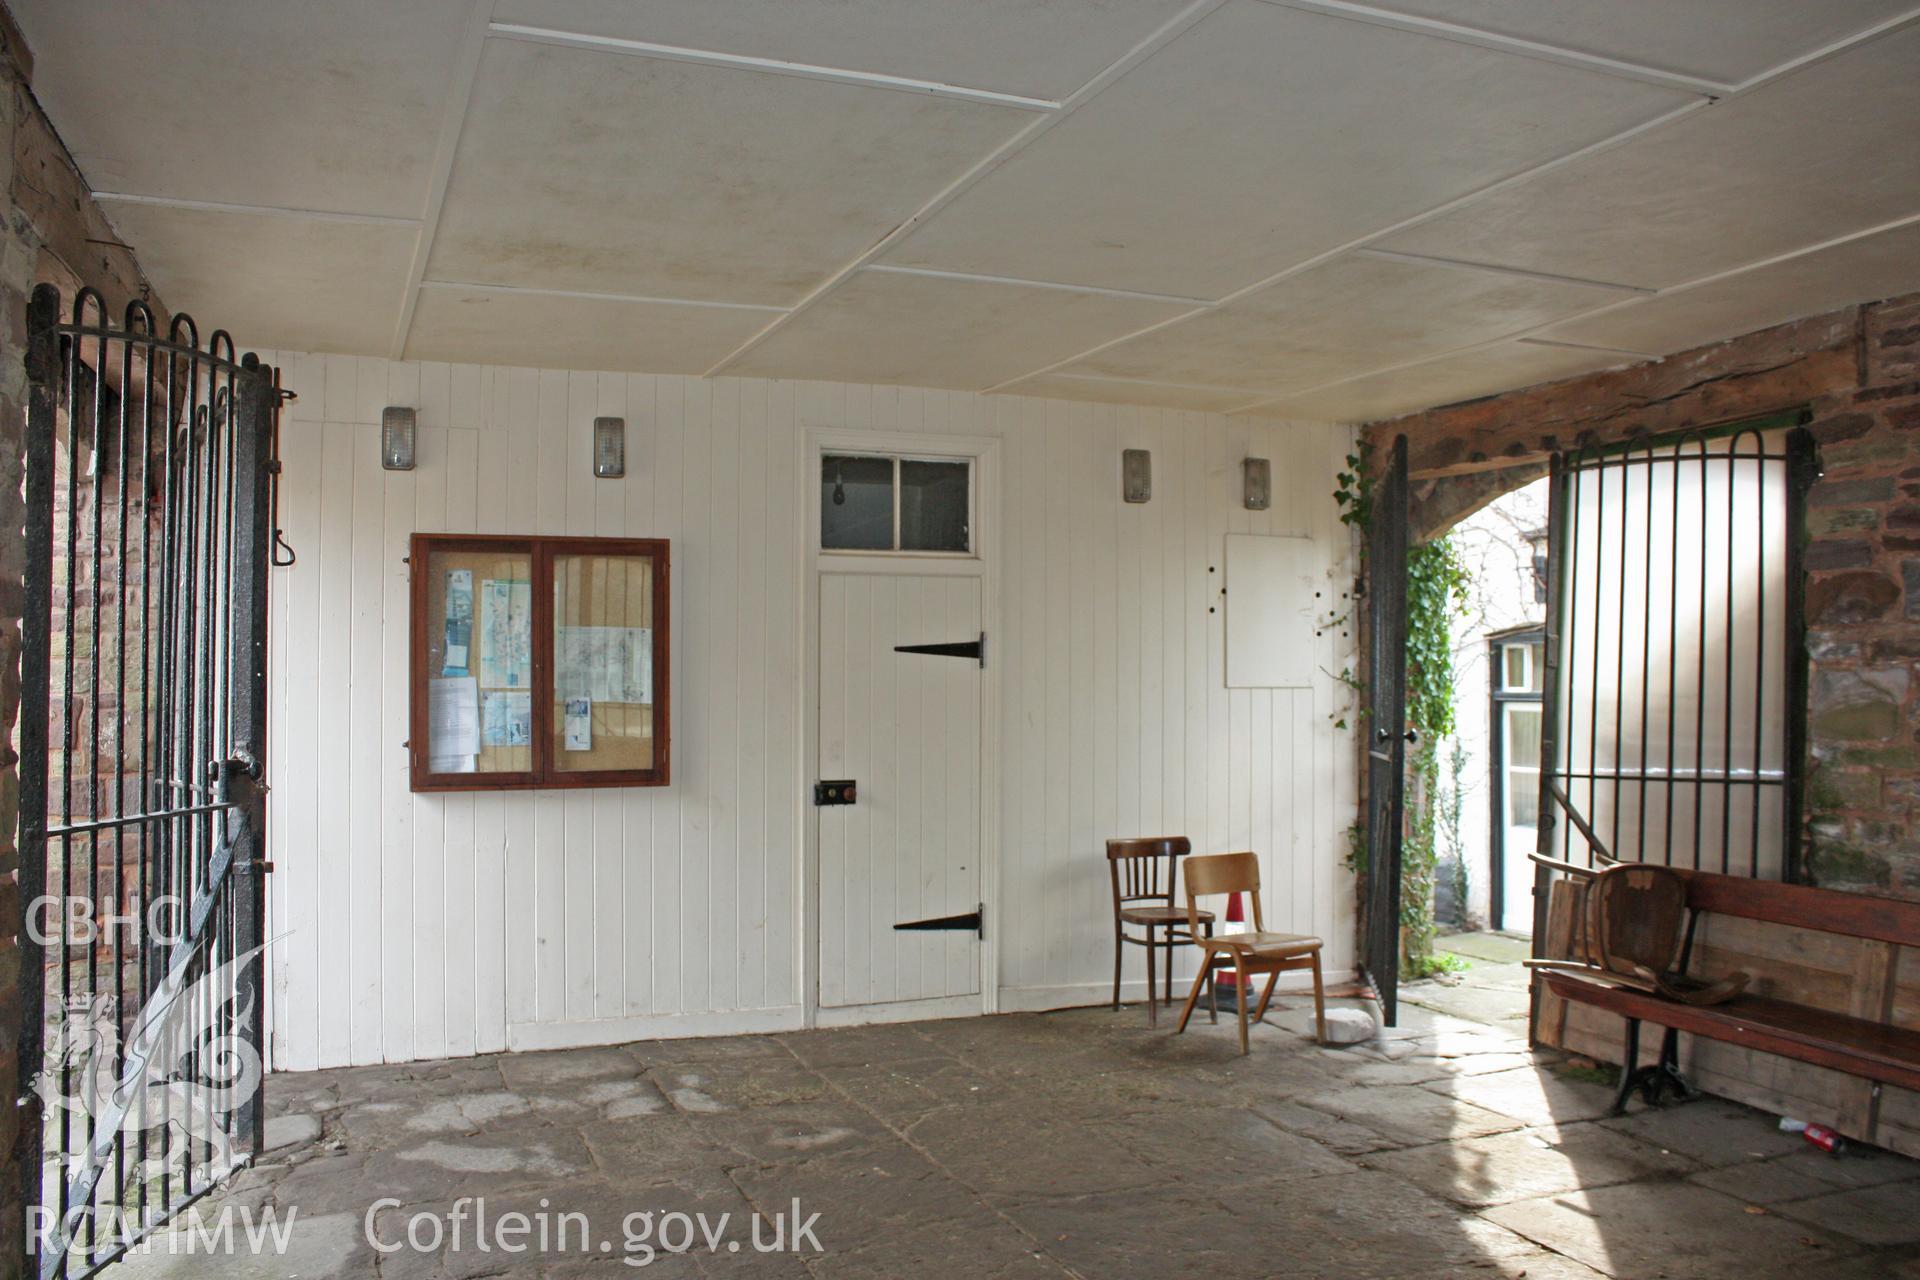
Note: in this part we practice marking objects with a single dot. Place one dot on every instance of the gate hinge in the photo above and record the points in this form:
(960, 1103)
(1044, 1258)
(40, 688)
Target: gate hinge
(237, 779)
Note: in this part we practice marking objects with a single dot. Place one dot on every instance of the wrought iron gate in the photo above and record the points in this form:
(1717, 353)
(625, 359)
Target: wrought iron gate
(1385, 726)
(1675, 703)
(143, 737)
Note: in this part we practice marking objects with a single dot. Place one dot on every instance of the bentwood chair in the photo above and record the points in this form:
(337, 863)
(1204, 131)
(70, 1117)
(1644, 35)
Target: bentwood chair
(1145, 871)
(1246, 953)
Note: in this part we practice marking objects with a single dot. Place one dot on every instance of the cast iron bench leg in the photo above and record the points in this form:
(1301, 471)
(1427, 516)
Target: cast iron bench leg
(1629, 1067)
(1653, 1082)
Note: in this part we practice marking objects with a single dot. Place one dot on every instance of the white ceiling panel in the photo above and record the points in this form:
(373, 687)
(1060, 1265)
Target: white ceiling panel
(1864, 270)
(273, 282)
(1344, 318)
(1723, 40)
(608, 173)
(492, 326)
(331, 106)
(1033, 48)
(1060, 386)
(1445, 381)
(883, 326)
(1825, 151)
(1261, 137)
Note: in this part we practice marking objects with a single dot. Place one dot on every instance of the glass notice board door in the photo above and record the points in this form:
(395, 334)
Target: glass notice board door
(539, 662)
(603, 710)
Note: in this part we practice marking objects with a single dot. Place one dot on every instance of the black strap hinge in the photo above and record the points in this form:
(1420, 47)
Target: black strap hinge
(974, 920)
(975, 649)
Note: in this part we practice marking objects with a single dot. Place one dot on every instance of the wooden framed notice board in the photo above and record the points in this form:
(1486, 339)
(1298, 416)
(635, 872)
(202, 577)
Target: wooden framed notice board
(538, 662)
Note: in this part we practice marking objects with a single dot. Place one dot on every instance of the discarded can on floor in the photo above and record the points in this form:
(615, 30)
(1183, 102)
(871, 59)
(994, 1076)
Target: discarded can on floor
(1824, 1138)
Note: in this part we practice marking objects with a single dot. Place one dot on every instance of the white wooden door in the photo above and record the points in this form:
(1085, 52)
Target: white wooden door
(905, 727)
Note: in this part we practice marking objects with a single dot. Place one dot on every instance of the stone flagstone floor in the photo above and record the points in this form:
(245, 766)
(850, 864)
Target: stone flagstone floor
(1080, 1143)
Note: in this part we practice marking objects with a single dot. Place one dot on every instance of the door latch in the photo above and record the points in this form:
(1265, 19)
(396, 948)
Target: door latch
(835, 791)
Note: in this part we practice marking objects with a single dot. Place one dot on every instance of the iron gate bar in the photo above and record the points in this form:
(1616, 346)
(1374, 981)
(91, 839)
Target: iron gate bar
(1386, 718)
(1550, 663)
(1729, 613)
(185, 819)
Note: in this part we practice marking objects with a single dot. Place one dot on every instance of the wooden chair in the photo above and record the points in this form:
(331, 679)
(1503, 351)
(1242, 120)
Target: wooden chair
(1144, 871)
(1247, 953)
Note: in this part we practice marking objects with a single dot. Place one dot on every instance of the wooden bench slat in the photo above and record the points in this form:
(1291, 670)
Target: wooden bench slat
(1853, 1045)
(1856, 915)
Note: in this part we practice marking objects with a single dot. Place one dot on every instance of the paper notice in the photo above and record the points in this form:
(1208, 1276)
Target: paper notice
(506, 719)
(452, 764)
(453, 718)
(579, 724)
(459, 621)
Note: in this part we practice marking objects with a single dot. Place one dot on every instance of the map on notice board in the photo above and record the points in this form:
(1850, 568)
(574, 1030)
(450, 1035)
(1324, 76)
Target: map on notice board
(506, 634)
(606, 664)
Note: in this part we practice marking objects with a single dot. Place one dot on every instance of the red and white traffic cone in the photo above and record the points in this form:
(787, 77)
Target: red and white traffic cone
(1226, 980)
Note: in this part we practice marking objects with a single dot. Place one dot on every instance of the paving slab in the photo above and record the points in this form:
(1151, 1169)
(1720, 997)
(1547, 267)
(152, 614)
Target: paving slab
(1152, 1233)
(1222, 1147)
(1411, 1115)
(1371, 1224)
(1499, 948)
(1855, 1166)
(1330, 1131)
(884, 1042)
(1764, 1182)
(537, 1071)
(1490, 1004)
(1712, 1131)
(1526, 1163)
(287, 1131)
(1886, 1214)
(753, 1082)
(1678, 1230)
(1533, 1095)
(319, 1247)
(1016, 1151)
(900, 1092)
(667, 1144)
(443, 1167)
(864, 1197)
(943, 1251)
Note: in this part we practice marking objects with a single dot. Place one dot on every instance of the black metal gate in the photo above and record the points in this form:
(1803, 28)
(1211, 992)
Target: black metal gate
(143, 737)
(1674, 726)
(1385, 724)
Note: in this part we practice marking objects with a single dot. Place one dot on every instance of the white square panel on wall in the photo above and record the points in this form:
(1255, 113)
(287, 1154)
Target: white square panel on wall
(1270, 611)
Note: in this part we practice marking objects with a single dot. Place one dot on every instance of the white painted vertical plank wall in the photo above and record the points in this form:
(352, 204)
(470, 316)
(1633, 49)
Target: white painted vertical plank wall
(446, 925)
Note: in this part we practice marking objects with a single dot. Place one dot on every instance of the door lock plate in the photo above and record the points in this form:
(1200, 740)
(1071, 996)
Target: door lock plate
(834, 791)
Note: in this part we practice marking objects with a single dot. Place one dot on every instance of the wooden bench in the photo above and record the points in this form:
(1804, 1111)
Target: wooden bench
(1873, 1049)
